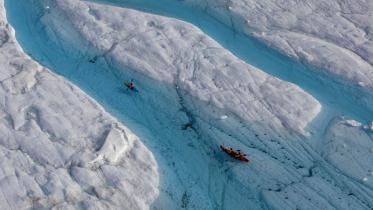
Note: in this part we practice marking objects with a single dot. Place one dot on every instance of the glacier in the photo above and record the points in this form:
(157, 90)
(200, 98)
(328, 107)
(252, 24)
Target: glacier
(59, 148)
(199, 86)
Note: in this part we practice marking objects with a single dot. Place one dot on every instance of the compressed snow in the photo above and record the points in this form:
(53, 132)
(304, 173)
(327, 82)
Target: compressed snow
(369, 126)
(50, 134)
(223, 117)
(332, 34)
(353, 123)
(113, 148)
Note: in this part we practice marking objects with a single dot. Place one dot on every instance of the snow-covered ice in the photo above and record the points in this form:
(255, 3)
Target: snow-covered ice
(52, 135)
(335, 35)
(179, 53)
(193, 95)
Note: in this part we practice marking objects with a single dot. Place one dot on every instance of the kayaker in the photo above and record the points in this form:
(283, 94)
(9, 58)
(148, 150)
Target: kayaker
(131, 85)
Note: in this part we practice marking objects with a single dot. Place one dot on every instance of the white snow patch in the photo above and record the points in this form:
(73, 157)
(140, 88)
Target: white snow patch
(114, 147)
(223, 117)
(353, 123)
(369, 126)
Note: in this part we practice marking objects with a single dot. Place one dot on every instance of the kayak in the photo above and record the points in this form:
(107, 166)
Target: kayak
(234, 154)
(127, 84)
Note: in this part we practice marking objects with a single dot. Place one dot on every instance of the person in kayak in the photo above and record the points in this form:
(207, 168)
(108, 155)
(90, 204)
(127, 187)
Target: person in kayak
(132, 85)
(236, 154)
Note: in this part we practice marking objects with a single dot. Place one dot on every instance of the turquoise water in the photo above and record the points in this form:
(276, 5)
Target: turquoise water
(186, 159)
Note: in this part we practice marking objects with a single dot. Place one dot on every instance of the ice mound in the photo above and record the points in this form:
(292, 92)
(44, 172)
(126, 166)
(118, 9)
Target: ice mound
(115, 145)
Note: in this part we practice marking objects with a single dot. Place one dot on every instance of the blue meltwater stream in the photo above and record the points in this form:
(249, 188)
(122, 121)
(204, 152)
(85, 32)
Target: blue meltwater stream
(184, 157)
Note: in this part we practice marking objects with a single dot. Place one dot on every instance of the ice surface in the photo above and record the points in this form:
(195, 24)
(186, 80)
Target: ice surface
(179, 53)
(113, 148)
(321, 187)
(52, 133)
(335, 35)
(188, 84)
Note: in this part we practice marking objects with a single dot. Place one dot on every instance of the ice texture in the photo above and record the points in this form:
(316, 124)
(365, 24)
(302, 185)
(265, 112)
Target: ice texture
(176, 52)
(184, 76)
(59, 148)
(332, 34)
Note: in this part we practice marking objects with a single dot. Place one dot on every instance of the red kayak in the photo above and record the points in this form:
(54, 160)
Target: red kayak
(234, 154)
